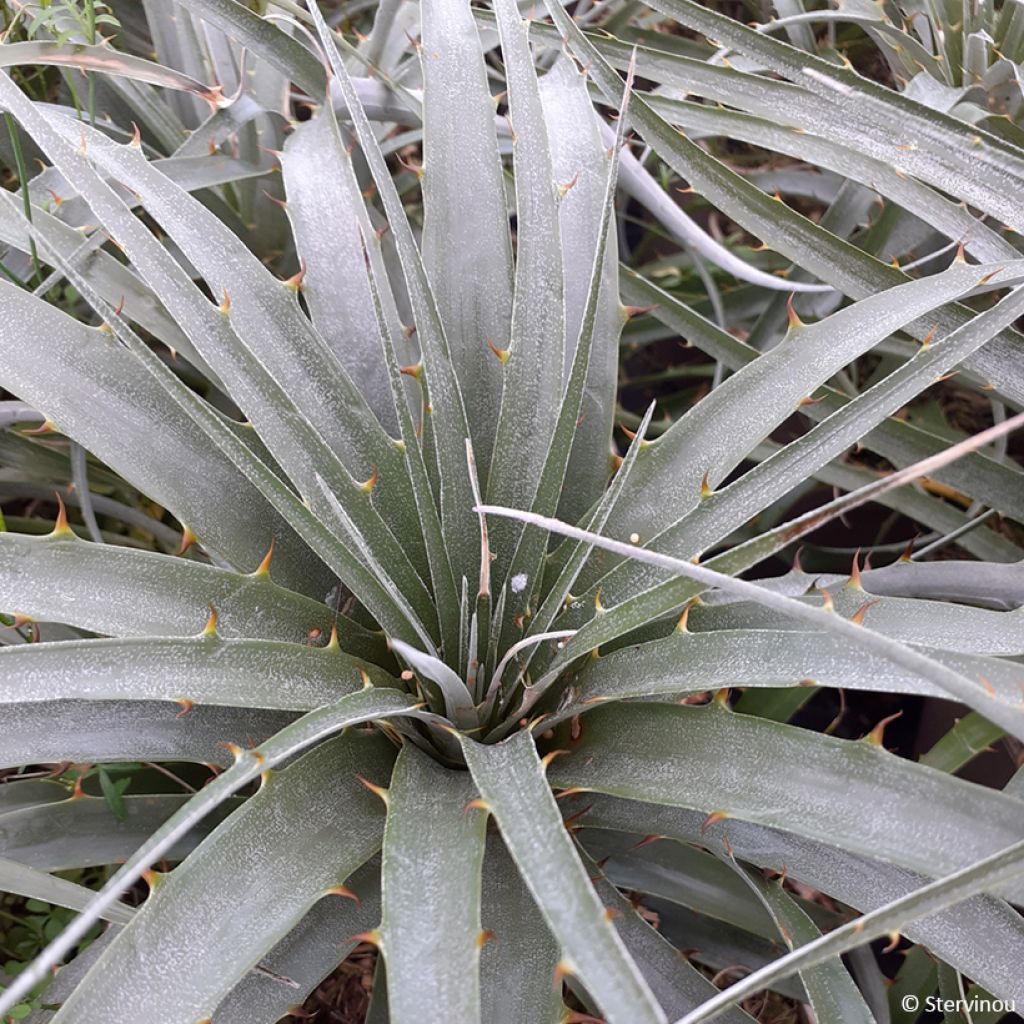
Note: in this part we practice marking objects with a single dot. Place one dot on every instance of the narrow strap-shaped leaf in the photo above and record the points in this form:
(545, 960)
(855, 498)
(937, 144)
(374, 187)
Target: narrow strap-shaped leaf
(669, 474)
(578, 155)
(700, 661)
(264, 38)
(528, 556)
(467, 251)
(145, 435)
(974, 170)
(111, 278)
(199, 670)
(808, 244)
(82, 832)
(931, 623)
(364, 706)
(16, 793)
(457, 699)
(686, 876)
(39, 885)
(438, 558)
(520, 956)
(430, 884)
(948, 891)
(833, 995)
(677, 985)
(664, 754)
(534, 363)
(963, 935)
(336, 552)
(987, 585)
(104, 59)
(87, 732)
(327, 212)
(242, 888)
(307, 954)
(848, 423)
(1008, 716)
(54, 579)
(282, 373)
(510, 777)
(899, 442)
(446, 410)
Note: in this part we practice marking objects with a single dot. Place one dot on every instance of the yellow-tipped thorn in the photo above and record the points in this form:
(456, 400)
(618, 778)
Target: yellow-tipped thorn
(826, 598)
(46, 427)
(373, 938)
(713, 819)
(368, 484)
(364, 678)
(721, 697)
(501, 353)
(705, 487)
(377, 791)
(210, 629)
(333, 643)
(563, 970)
(564, 190)
(263, 569)
(186, 706)
(484, 937)
(599, 608)
(61, 530)
(479, 804)
(858, 617)
(152, 878)
(188, 538)
(877, 735)
(345, 893)
(794, 320)
(136, 140)
(549, 757)
(225, 305)
(294, 283)
(684, 617)
(929, 337)
(414, 371)
(854, 582)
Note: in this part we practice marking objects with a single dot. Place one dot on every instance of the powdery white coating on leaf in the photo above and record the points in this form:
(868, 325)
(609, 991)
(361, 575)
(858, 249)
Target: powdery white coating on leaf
(965, 933)
(88, 732)
(305, 831)
(232, 673)
(77, 833)
(518, 583)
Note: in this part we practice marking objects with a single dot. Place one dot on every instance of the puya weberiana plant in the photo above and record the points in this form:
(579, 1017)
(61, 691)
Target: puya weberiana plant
(435, 721)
